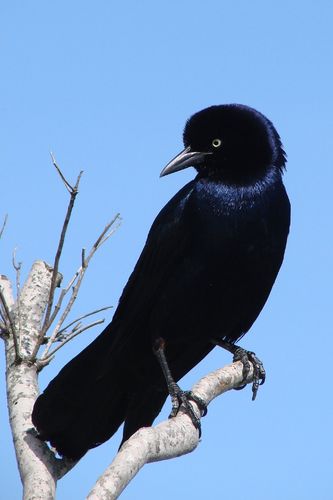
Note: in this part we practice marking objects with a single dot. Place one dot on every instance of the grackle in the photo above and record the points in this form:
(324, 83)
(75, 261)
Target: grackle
(206, 270)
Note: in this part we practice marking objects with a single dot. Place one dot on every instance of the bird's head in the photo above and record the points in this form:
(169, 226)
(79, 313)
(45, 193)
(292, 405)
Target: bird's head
(232, 142)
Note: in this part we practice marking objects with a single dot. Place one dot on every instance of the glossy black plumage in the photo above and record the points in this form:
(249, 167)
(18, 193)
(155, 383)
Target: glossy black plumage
(210, 260)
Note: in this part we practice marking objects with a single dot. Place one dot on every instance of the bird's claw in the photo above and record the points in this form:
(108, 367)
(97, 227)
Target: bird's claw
(199, 401)
(180, 398)
(259, 374)
(246, 357)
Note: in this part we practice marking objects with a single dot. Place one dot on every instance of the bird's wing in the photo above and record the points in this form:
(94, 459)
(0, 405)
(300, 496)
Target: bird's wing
(164, 248)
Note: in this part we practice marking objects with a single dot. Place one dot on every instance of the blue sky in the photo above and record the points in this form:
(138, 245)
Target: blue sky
(107, 86)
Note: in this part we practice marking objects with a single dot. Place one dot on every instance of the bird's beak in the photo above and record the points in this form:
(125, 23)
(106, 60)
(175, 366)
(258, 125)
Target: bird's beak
(184, 159)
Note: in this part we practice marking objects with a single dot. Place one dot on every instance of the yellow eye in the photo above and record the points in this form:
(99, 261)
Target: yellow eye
(216, 143)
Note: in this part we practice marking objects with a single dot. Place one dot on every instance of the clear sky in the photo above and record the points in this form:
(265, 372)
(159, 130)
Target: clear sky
(107, 86)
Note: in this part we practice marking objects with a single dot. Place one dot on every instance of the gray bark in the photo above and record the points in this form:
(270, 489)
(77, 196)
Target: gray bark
(37, 465)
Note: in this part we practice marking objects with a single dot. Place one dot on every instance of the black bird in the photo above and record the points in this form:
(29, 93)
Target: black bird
(207, 268)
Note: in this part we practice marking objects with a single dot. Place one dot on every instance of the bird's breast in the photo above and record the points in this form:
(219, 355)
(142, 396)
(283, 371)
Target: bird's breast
(225, 214)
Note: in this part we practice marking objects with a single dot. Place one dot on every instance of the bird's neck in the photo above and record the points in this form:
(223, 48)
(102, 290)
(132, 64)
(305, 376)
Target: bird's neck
(239, 174)
(235, 194)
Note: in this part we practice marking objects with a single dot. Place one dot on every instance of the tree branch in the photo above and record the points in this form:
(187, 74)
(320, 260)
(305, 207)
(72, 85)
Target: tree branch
(33, 458)
(69, 188)
(23, 324)
(109, 229)
(83, 317)
(62, 295)
(45, 361)
(39, 467)
(6, 302)
(6, 297)
(3, 225)
(169, 439)
(73, 193)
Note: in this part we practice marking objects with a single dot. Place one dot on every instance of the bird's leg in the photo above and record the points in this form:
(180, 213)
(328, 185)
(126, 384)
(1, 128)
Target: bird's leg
(178, 396)
(240, 354)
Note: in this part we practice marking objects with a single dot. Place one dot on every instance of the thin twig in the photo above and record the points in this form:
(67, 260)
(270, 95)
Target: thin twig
(83, 317)
(3, 225)
(3, 316)
(73, 192)
(7, 316)
(16, 266)
(105, 235)
(70, 336)
(69, 188)
(64, 314)
(76, 327)
(83, 257)
(3, 309)
(62, 295)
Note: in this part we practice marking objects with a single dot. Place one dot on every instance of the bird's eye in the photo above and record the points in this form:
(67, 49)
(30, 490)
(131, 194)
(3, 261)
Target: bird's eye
(216, 143)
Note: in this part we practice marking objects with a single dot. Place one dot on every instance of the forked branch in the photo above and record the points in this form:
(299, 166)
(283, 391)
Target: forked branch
(74, 333)
(75, 284)
(73, 191)
(23, 324)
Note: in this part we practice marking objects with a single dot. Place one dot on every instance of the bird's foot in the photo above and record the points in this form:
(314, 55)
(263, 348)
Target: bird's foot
(259, 373)
(246, 357)
(199, 401)
(180, 398)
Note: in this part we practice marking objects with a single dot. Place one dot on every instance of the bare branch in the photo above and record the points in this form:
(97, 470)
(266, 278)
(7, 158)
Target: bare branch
(73, 193)
(9, 323)
(62, 295)
(63, 178)
(83, 317)
(169, 439)
(5, 313)
(3, 225)
(70, 336)
(105, 235)
(83, 257)
(34, 460)
(7, 291)
(109, 229)
(17, 266)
